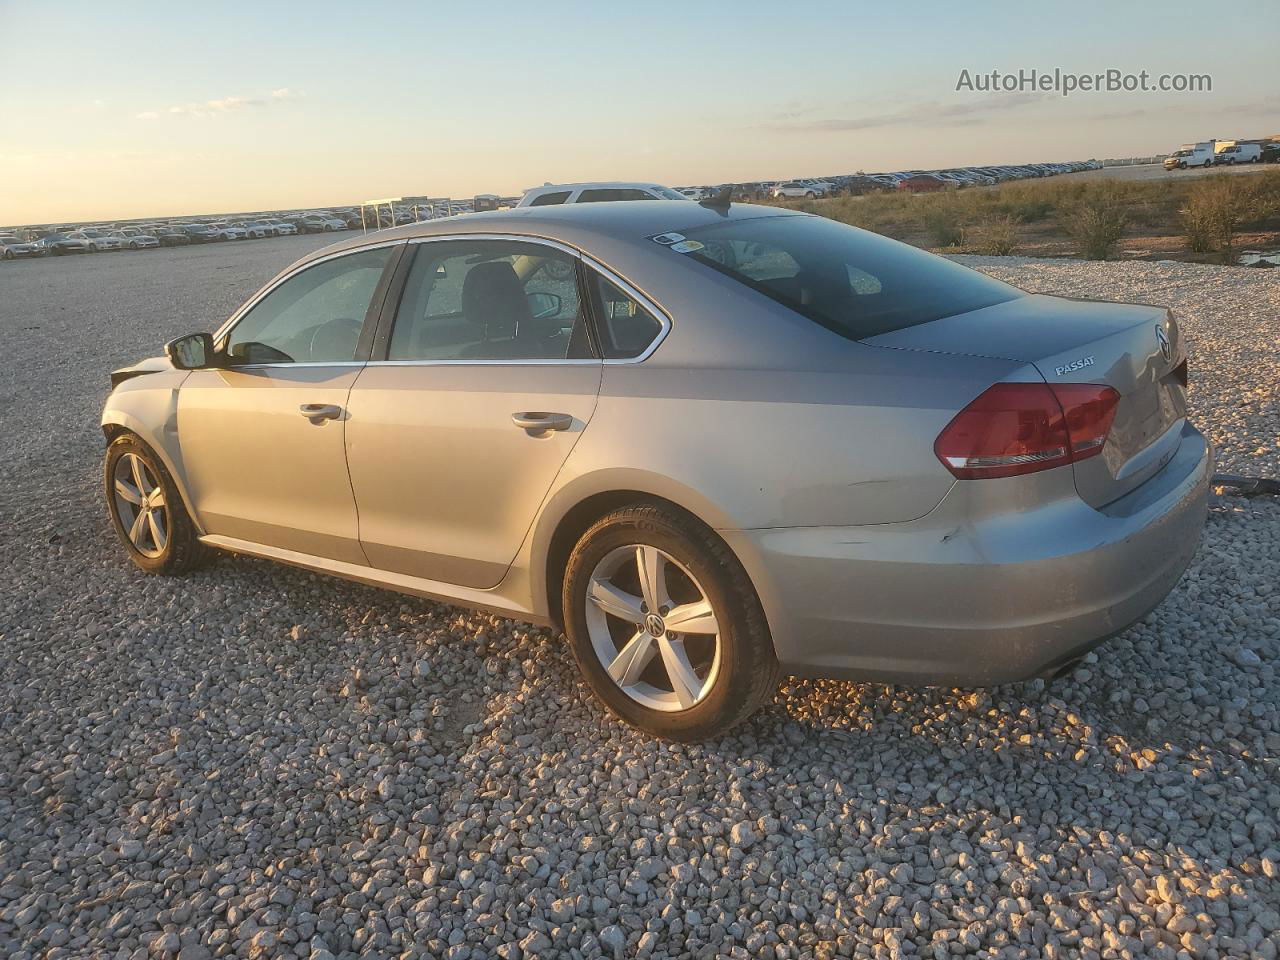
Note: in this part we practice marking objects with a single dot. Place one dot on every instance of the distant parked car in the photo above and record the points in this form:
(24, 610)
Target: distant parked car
(923, 183)
(11, 248)
(1239, 153)
(60, 244)
(171, 237)
(1190, 155)
(793, 189)
(198, 232)
(320, 223)
(555, 193)
(257, 229)
(134, 239)
(99, 240)
(282, 228)
(859, 185)
(230, 231)
(1270, 153)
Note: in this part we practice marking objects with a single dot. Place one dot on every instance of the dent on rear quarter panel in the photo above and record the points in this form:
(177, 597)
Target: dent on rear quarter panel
(786, 448)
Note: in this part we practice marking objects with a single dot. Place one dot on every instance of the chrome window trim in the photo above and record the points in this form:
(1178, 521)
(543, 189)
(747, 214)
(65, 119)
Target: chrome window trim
(662, 316)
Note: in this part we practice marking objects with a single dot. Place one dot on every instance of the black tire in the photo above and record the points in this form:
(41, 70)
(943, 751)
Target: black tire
(8, 254)
(748, 670)
(182, 551)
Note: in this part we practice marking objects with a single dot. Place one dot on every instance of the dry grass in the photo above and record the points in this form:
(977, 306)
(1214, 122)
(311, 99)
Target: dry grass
(1089, 218)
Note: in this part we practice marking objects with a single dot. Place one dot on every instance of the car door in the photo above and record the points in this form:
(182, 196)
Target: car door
(472, 401)
(262, 437)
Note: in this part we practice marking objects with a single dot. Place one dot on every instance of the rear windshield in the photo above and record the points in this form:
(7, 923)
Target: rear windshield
(856, 283)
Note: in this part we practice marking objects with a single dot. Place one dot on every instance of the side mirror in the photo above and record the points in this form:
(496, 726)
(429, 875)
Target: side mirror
(192, 352)
(544, 305)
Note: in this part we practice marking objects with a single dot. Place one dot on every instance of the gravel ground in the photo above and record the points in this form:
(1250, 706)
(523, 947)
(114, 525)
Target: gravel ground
(259, 762)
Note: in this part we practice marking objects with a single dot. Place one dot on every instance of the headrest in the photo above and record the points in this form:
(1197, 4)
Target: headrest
(493, 299)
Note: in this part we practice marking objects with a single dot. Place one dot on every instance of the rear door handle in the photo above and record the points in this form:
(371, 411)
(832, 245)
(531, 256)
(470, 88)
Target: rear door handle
(315, 412)
(536, 422)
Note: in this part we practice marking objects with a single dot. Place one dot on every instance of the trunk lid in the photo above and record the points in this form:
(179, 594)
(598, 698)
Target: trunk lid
(1135, 348)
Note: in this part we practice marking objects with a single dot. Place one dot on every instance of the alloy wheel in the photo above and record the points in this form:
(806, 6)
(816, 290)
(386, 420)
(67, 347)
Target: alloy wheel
(140, 505)
(653, 628)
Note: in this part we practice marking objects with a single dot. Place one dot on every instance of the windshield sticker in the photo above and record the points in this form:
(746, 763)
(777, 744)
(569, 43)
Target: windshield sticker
(687, 246)
(668, 239)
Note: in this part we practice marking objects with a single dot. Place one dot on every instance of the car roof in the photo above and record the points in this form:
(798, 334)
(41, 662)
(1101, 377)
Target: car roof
(586, 226)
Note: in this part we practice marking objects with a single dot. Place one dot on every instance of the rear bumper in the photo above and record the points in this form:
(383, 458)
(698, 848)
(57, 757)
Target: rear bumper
(948, 599)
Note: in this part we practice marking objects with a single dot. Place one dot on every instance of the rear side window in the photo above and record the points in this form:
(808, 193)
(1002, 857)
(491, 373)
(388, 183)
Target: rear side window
(548, 199)
(490, 300)
(626, 328)
(613, 193)
(856, 283)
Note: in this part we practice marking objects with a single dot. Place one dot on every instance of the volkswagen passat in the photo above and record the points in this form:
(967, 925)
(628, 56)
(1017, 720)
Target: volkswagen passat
(712, 443)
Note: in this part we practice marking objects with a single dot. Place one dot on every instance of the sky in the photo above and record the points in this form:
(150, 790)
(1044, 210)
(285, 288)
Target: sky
(142, 109)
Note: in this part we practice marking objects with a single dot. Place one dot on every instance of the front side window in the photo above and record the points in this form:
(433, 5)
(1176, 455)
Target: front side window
(490, 300)
(548, 199)
(313, 317)
(626, 328)
(855, 283)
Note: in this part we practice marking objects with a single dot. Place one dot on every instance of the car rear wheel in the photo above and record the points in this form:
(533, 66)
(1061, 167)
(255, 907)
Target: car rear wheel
(147, 510)
(665, 625)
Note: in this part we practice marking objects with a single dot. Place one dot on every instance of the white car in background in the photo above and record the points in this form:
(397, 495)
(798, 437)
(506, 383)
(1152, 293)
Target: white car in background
(795, 189)
(229, 231)
(256, 228)
(282, 228)
(554, 193)
(135, 239)
(98, 240)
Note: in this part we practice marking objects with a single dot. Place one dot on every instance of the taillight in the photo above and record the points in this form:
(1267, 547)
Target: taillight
(1017, 428)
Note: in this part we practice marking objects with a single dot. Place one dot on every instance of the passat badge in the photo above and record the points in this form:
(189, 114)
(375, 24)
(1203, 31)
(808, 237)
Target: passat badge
(1162, 338)
(1074, 365)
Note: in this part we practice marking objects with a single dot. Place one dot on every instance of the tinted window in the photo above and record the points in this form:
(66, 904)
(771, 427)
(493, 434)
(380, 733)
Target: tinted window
(856, 283)
(626, 328)
(547, 199)
(601, 195)
(313, 317)
(490, 300)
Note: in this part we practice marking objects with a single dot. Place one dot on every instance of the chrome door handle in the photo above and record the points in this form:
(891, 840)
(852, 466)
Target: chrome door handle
(315, 412)
(536, 422)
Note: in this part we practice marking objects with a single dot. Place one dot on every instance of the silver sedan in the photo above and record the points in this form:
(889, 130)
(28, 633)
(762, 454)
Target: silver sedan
(712, 443)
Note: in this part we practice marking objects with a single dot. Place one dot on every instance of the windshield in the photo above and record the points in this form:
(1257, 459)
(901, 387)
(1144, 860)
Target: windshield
(855, 283)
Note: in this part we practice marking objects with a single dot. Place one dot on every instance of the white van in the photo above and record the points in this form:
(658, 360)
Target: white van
(1239, 153)
(553, 193)
(1190, 155)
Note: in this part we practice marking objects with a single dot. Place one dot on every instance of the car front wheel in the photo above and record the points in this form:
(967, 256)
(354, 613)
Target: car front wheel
(147, 510)
(666, 626)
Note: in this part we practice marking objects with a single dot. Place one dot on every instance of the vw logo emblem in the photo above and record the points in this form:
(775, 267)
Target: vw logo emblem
(1162, 338)
(653, 623)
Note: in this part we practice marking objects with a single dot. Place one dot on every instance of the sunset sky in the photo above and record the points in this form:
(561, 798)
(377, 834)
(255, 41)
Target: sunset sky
(116, 110)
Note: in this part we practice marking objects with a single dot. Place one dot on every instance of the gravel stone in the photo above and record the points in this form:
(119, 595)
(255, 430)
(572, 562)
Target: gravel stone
(259, 761)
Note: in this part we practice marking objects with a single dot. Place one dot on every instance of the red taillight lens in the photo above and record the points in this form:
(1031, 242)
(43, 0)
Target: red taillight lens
(1017, 428)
